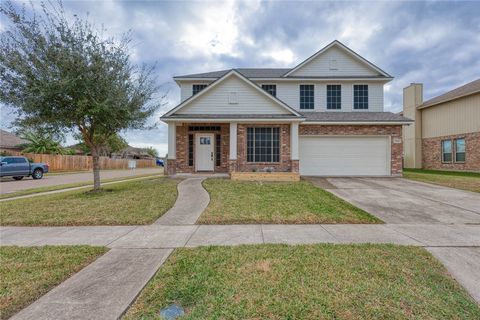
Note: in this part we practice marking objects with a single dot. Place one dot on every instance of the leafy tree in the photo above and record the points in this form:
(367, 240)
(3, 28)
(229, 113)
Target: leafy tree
(106, 147)
(67, 77)
(42, 143)
(151, 151)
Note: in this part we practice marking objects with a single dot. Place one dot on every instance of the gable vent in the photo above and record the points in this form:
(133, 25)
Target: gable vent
(232, 98)
(333, 64)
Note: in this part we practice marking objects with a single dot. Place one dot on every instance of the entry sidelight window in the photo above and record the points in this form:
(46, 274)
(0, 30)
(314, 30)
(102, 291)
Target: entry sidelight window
(446, 150)
(263, 144)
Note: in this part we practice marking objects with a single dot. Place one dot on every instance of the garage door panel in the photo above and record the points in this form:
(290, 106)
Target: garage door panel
(344, 156)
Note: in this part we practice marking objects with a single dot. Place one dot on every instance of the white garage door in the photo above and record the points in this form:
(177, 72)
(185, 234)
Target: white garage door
(344, 156)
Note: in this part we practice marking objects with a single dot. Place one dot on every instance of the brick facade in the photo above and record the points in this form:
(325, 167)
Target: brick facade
(394, 131)
(432, 153)
(285, 164)
(181, 165)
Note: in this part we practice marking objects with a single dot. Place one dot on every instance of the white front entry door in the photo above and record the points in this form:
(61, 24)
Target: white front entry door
(204, 151)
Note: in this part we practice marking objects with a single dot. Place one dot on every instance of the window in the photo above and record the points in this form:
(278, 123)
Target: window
(360, 96)
(460, 150)
(218, 150)
(446, 150)
(8, 160)
(19, 160)
(263, 144)
(196, 88)
(334, 96)
(190, 150)
(270, 88)
(306, 96)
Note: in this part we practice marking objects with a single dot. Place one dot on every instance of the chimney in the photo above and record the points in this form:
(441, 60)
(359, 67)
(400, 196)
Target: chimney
(412, 134)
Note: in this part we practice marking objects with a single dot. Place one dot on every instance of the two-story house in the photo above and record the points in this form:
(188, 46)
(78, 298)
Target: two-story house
(323, 117)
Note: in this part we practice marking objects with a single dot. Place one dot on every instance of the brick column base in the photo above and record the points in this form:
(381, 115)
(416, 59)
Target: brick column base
(171, 167)
(232, 165)
(295, 166)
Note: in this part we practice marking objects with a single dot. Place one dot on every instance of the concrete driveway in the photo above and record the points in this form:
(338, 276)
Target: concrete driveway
(8, 185)
(398, 200)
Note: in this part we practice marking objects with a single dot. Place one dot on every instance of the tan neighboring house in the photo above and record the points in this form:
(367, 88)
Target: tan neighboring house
(446, 132)
(10, 142)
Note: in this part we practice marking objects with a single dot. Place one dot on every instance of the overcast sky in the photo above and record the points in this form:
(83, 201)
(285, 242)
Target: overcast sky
(435, 43)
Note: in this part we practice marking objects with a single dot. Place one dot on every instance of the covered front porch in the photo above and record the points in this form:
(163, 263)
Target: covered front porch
(231, 147)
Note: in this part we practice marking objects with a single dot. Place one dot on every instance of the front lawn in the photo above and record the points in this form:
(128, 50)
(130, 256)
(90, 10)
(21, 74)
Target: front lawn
(305, 282)
(469, 181)
(125, 203)
(28, 273)
(234, 202)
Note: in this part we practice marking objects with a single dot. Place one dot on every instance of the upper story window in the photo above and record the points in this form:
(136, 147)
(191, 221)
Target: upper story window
(196, 88)
(307, 92)
(360, 96)
(270, 88)
(334, 96)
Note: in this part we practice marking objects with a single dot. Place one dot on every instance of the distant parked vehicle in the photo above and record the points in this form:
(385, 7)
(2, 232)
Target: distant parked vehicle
(160, 162)
(19, 167)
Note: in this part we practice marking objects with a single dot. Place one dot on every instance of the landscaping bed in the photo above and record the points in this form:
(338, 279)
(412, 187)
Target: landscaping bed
(469, 181)
(237, 202)
(125, 203)
(305, 282)
(28, 273)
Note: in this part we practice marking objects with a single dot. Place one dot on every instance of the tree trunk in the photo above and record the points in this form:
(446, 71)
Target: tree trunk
(96, 170)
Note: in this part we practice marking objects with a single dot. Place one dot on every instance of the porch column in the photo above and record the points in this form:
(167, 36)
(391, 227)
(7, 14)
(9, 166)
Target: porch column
(172, 144)
(294, 140)
(233, 141)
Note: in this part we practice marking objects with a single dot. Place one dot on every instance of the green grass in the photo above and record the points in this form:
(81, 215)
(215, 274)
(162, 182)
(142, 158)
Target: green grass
(28, 273)
(305, 282)
(69, 185)
(125, 203)
(469, 181)
(235, 202)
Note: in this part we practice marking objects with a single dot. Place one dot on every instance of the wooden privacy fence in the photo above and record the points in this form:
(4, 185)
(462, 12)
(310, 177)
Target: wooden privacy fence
(76, 163)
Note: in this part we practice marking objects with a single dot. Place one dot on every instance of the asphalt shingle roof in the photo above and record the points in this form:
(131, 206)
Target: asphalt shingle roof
(10, 140)
(465, 90)
(353, 116)
(247, 72)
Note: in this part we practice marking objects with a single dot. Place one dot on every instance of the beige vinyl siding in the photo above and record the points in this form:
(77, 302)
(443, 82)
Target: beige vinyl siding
(346, 65)
(187, 87)
(450, 118)
(289, 92)
(250, 100)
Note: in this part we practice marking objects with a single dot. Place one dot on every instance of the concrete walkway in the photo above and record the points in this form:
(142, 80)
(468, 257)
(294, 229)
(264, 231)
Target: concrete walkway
(192, 199)
(103, 290)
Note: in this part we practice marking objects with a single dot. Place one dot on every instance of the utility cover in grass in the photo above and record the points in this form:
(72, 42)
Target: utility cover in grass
(171, 312)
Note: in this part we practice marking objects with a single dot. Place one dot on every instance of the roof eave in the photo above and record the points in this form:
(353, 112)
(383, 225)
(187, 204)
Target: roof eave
(427, 105)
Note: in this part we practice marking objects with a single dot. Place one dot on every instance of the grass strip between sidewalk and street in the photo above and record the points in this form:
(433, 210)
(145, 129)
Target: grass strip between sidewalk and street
(124, 203)
(239, 202)
(69, 186)
(28, 273)
(469, 181)
(324, 281)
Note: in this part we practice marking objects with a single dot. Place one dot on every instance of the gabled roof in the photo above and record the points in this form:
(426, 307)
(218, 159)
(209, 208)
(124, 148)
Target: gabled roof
(247, 72)
(463, 91)
(232, 72)
(343, 47)
(10, 140)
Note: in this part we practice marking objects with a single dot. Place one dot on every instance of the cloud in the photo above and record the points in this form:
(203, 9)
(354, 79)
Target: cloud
(436, 43)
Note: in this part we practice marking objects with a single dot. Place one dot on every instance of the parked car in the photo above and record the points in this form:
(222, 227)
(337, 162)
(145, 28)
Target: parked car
(19, 167)
(160, 162)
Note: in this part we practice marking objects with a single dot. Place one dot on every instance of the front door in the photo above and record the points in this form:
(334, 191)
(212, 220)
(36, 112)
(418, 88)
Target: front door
(204, 152)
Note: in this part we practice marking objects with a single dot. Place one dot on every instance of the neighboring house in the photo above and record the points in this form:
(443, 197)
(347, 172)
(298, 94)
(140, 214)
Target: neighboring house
(323, 117)
(10, 142)
(132, 153)
(446, 133)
